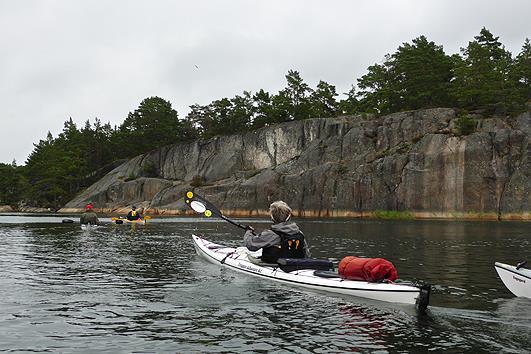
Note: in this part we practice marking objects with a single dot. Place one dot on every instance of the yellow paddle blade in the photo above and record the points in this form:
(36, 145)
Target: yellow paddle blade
(147, 217)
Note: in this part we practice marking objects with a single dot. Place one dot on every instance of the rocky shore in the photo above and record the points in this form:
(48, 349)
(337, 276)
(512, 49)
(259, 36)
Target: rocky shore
(413, 163)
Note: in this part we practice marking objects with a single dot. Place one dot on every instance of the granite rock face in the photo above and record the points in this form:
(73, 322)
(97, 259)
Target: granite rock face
(346, 166)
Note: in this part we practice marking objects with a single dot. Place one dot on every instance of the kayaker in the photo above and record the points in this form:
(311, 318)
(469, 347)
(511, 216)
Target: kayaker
(89, 216)
(283, 240)
(134, 214)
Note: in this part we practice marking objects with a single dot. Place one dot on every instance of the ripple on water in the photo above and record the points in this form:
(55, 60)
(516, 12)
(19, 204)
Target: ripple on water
(123, 289)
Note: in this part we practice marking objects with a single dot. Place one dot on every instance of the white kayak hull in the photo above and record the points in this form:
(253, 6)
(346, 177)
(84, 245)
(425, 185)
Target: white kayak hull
(518, 281)
(237, 259)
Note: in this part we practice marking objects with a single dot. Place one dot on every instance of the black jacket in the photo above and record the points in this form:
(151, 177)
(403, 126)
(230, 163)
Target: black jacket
(137, 215)
(278, 242)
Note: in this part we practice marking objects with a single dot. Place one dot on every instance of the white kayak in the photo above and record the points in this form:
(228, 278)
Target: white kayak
(240, 259)
(516, 279)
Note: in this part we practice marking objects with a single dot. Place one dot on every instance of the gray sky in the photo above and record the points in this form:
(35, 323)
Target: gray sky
(88, 59)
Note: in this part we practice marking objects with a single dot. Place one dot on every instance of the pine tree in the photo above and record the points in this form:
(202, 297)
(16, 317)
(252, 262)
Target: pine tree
(263, 109)
(421, 74)
(200, 119)
(482, 78)
(416, 76)
(375, 92)
(522, 73)
(322, 101)
(297, 91)
(13, 184)
(349, 105)
(241, 113)
(281, 108)
(153, 124)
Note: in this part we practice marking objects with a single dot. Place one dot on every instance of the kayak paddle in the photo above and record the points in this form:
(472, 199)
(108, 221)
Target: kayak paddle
(203, 206)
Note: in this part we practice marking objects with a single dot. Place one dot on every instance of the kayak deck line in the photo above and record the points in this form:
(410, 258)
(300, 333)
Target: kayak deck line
(504, 267)
(389, 292)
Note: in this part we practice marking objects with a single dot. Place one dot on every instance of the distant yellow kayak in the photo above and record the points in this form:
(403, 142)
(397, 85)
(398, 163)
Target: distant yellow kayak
(125, 221)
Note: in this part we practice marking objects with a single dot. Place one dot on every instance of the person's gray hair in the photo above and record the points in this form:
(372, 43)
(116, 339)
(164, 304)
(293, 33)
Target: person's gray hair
(280, 211)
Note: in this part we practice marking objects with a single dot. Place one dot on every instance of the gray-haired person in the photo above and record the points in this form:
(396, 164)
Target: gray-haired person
(283, 240)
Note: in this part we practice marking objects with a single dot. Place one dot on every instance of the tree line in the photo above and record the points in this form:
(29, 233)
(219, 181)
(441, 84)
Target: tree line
(484, 78)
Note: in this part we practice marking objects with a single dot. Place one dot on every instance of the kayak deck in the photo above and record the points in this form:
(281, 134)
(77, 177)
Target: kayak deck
(238, 259)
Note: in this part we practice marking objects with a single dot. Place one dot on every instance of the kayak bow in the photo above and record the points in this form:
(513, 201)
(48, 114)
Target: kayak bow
(516, 279)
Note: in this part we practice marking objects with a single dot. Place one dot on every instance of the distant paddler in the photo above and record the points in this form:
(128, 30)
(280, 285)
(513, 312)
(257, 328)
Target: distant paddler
(89, 216)
(134, 214)
(133, 217)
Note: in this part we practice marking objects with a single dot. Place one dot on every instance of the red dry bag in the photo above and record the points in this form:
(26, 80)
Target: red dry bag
(367, 269)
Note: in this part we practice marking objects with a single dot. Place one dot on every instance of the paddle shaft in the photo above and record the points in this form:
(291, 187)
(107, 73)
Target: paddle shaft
(233, 222)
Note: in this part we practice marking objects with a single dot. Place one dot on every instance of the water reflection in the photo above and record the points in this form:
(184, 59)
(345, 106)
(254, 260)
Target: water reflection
(515, 311)
(119, 288)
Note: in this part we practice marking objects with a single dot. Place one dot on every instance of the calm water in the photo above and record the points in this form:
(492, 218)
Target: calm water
(143, 289)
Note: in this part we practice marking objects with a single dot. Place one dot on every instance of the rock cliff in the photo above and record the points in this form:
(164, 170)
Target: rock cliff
(345, 166)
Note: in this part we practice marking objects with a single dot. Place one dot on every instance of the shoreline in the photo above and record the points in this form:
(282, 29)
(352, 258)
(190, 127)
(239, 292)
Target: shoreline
(346, 214)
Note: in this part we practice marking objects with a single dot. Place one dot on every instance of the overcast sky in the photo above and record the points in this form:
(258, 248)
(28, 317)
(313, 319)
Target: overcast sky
(88, 59)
